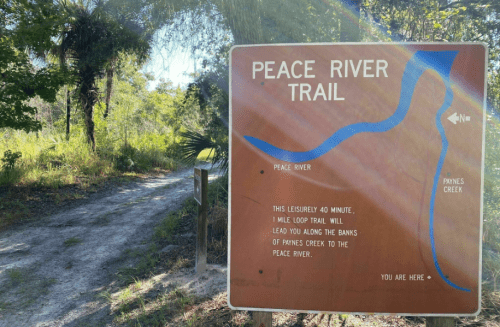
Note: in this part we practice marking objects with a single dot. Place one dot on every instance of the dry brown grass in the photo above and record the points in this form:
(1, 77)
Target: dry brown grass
(217, 235)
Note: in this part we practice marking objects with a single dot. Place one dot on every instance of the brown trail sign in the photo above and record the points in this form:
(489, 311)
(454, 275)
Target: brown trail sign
(356, 177)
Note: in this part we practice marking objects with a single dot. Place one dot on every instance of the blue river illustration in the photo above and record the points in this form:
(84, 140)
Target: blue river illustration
(439, 61)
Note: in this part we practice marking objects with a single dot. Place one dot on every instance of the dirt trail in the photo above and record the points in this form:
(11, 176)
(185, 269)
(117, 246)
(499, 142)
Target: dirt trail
(51, 272)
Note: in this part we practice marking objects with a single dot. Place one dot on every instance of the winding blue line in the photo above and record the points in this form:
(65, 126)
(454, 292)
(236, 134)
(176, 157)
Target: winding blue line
(419, 62)
(444, 141)
(441, 62)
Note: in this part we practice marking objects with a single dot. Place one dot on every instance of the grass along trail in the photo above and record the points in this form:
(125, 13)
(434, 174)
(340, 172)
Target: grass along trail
(52, 272)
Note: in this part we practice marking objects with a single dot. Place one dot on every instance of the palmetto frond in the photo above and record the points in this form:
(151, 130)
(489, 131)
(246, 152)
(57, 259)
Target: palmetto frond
(196, 142)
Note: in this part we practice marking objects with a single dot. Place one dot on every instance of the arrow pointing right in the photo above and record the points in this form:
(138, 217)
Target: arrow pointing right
(454, 118)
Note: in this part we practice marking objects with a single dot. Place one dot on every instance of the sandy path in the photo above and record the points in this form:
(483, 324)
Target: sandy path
(52, 271)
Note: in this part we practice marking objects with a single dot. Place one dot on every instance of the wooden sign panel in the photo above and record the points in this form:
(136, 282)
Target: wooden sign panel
(356, 177)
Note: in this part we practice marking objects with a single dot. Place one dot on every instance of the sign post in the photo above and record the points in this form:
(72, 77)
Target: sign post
(201, 196)
(356, 178)
(439, 322)
(262, 319)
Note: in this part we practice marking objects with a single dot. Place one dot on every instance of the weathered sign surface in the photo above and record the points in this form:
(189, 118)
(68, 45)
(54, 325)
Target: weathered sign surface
(356, 177)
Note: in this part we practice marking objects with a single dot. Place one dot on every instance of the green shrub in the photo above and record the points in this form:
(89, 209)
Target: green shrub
(125, 158)
(9, 160)
(10, 173)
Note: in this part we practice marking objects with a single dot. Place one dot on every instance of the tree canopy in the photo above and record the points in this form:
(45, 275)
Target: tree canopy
(92, 33)
(21, 81)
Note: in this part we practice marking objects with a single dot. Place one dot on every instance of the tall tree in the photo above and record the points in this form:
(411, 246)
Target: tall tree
(20, 80)
(92, 41)
(93, 33)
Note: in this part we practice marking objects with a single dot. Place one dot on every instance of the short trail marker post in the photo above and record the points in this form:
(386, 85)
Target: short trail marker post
(200, 195)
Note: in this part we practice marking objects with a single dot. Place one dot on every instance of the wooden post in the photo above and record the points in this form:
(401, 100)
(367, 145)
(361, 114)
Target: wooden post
(439, 322)
(201, 235)
(262, 319)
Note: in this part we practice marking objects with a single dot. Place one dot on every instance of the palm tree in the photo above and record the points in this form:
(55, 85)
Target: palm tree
(215, 135)
(93, 39)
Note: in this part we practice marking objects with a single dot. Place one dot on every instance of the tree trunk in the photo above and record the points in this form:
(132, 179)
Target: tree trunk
(88, 98)
(89, 123)
(68, 112)
(50, 117)
(109, 85)
(349, 22)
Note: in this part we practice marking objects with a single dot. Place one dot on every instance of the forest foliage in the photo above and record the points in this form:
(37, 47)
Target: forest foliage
(141, 132)
(83, 70)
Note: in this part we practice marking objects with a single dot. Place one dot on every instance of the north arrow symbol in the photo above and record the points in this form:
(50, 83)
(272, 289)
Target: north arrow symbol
(454, 118)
